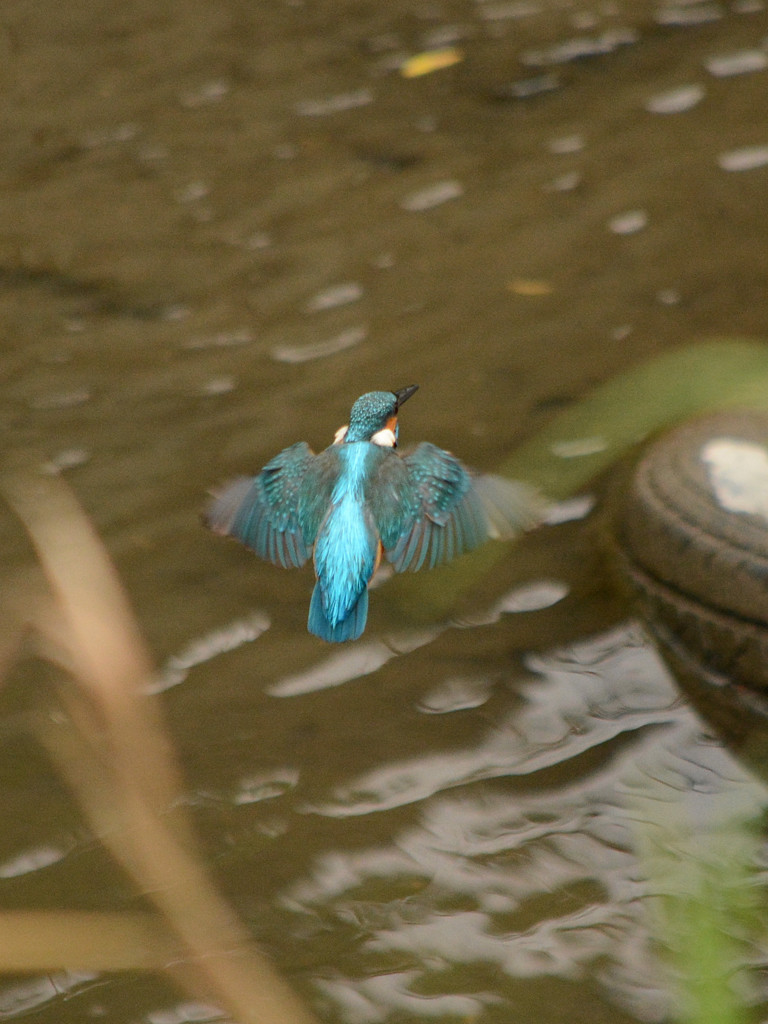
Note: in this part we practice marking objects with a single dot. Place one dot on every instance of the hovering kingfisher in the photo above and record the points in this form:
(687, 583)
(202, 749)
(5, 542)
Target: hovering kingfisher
(360, 498)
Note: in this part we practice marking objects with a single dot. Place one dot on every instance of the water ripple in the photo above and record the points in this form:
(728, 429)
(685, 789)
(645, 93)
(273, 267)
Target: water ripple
(218, 641)
(351, 663)
(569, 712)
(528, 883)
(320, 349)
(20, 998)
(34, 859)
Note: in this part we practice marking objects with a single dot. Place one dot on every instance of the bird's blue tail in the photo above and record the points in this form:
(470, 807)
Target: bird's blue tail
(350, 629)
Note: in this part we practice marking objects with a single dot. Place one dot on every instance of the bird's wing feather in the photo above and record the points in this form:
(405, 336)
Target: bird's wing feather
(430, 508)
(264, 511)
(320, 476)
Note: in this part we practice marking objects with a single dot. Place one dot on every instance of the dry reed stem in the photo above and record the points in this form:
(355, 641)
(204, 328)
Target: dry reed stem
(34, 940)
(120, 764)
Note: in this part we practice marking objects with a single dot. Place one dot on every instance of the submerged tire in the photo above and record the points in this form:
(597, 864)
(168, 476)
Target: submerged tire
(694, 538)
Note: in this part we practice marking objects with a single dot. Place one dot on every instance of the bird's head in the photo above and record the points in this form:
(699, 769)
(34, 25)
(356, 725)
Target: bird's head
(374, 417)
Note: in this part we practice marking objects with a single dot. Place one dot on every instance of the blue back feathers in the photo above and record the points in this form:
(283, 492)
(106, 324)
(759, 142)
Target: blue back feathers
(347, 544)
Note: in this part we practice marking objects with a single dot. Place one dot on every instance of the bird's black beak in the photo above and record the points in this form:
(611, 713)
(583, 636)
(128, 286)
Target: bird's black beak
(405, 393)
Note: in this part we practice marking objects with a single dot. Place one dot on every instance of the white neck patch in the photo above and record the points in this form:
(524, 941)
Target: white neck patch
(384, 438)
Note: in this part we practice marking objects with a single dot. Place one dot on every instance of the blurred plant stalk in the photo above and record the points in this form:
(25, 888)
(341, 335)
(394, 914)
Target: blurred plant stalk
(112, 749)
(706, 903)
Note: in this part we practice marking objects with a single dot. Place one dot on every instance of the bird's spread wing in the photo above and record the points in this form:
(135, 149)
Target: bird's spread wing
(429, 507)
(276, 513)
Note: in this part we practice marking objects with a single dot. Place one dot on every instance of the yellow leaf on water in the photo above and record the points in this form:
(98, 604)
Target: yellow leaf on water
(529, 287)
(429, 61)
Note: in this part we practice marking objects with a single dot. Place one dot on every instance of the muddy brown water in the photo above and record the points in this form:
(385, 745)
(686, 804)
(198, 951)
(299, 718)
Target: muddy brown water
(220, 224)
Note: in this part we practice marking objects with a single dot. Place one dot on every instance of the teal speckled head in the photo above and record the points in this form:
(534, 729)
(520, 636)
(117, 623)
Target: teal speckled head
(375, 412)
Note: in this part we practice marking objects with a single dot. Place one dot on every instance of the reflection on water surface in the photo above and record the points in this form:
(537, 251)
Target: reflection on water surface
(536, 876)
